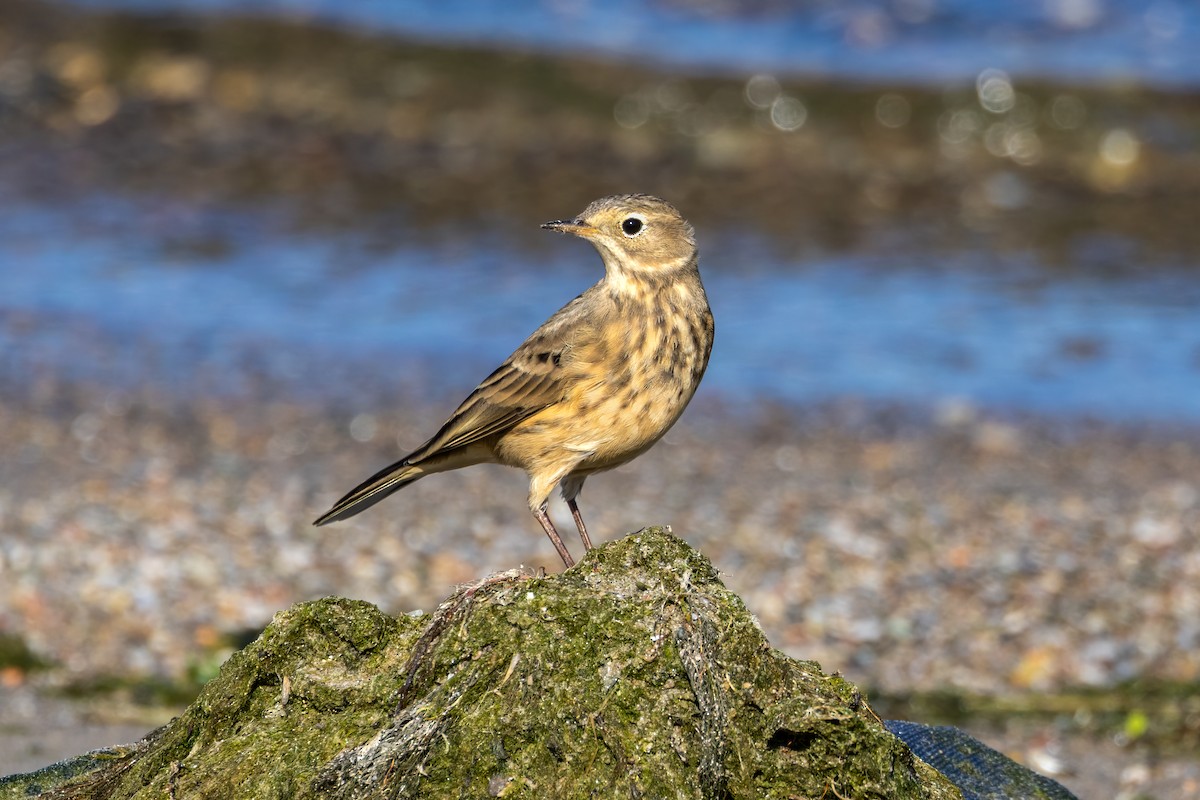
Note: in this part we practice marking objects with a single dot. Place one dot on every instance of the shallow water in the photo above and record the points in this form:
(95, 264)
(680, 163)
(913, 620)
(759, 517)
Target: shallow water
(146, 267)
(153, 291)
(927, 41)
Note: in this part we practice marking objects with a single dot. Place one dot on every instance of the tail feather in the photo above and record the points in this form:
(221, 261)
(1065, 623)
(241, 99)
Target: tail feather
(395, 477)
(371, 491)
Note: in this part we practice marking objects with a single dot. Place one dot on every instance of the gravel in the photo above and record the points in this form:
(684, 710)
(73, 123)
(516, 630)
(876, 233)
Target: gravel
(909, 551)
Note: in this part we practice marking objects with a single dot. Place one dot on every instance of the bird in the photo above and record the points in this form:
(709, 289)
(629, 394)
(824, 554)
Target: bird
(599, 383)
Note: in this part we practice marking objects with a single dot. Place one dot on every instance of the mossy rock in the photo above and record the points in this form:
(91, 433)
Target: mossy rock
(635, 674)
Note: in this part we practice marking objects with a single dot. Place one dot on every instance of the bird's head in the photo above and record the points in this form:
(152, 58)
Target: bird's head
(636, 234)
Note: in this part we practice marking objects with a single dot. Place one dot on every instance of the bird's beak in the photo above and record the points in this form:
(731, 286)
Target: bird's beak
(574, 226)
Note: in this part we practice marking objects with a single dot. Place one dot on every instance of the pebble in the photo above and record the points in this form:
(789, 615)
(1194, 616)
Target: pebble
(869, 547)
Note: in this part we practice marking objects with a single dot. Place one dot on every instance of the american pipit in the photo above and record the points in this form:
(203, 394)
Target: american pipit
(597, 384)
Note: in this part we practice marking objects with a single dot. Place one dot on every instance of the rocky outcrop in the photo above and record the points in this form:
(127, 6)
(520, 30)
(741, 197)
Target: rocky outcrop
(635, 674)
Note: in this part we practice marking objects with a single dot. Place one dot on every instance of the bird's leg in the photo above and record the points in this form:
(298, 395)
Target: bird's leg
(548, 526)
(583, 534)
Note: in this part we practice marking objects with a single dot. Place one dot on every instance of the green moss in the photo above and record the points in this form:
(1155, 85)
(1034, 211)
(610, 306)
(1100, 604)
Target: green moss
(636, 674)
(136, 690)
(14, 652)
(1160, 715)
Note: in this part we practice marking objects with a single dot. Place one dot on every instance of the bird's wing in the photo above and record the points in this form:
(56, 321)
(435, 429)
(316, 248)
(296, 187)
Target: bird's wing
(537, 375)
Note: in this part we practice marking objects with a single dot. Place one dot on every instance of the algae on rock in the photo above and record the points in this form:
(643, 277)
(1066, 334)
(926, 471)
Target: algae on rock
(635, 674)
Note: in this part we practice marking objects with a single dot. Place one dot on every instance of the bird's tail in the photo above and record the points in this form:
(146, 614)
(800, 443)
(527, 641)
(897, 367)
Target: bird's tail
(372, 490)
(416, 465)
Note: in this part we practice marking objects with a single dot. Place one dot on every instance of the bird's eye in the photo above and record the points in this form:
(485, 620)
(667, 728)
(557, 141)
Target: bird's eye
(631, 226)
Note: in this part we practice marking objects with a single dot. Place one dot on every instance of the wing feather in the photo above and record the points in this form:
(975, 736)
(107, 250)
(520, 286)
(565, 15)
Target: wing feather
(537, 375)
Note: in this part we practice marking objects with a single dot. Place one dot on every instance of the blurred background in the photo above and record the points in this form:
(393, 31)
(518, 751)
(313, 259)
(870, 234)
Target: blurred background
(948, 445)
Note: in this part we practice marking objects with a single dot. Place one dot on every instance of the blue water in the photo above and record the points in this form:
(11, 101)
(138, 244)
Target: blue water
(153, 291)
(927, 41)
(121, 299)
